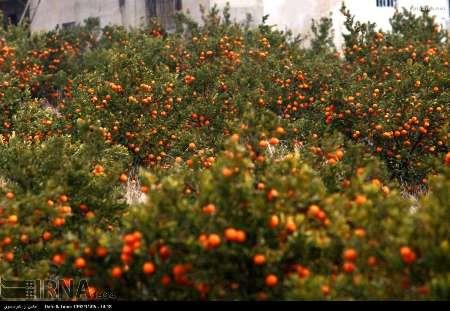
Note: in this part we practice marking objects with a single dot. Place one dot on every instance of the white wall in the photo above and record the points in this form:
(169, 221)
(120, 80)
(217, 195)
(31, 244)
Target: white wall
(239, 9)
(51, 13)
(192, 8)
(297, 14)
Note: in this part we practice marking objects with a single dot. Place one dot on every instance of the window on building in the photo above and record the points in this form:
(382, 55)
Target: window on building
(178, 5)
(121, 3)
(68, 25)
(151, 8)
(386, 3)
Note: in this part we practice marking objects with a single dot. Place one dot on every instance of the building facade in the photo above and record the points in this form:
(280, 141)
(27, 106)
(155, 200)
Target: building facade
(49, 14)
(286, 14)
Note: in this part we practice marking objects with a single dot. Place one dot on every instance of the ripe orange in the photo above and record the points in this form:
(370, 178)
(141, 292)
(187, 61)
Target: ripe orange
(340, 154)
(303, 272)
(280, 131)
(332, 162)
(46, 236)
(348, 267)
(209, 209)
(274, 141)
(123, 178)
(116, 272)
(272, 194)
(63, 198)
(24, 238)
(360, 199)
(259, 260)
(58, 259)
(263, 144)
(234, 138)
(240, 236)
(148, 268)
(10, 195)
(408, 255)
(214, 240)
(226, 172)
(164, 252)
(291, 226)
(372, 261)
(350, 254)
(58, 222)
(360, 232)
(80, 263)
(101, 251)
(12, 219)
(178, 270)
(325, 290)
(230, 234)
(271, 280)
(273, 221)
(165, 280)
(9, 256)
(313, 210)
(447, 159)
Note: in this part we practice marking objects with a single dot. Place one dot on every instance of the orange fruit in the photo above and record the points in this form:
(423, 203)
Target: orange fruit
(9, 256)
(263, 144)
(10, 195)
(408, 255)
(165, 280)
(226, 172)
(123, 178)
(271, 280)
(447, 159)
(58, 259)
(230, 234)
(234, 138)
(259, 260)
(360, 200)
(280, 131)
(274, 141)
(291, 226)
(214, 240)
(209, 209)
(12, 219)
(350, 254)
(101, 251)
(272, 194)
(148, 268)
(372, 261)
(273, 221)
(116, 272)
(63, 198)
(80, 263)
(240, 236)
(360, 233)
(348, 267)
(46, 236)
(313, 210)
(164, 252)
(340, 154)
(325, 290)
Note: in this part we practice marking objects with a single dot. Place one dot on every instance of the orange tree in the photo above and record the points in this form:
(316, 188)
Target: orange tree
(271, 170)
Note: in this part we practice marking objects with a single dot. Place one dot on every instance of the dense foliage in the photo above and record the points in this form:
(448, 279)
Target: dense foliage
(268, 170)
